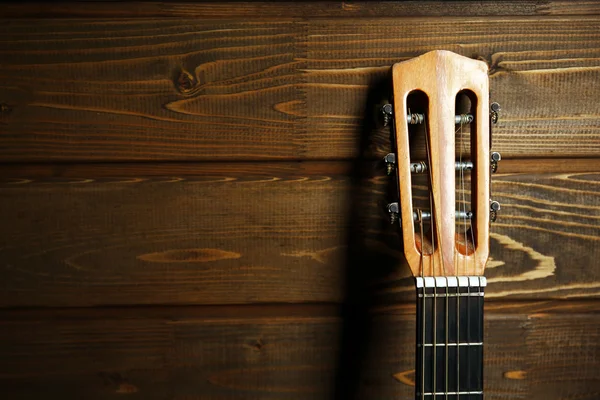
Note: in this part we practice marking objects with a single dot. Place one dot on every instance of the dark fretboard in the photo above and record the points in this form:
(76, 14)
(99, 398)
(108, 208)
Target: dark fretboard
(449, 356)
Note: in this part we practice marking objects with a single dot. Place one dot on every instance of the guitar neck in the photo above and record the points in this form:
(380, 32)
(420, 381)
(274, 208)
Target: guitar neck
(449, 353)
(441, 103)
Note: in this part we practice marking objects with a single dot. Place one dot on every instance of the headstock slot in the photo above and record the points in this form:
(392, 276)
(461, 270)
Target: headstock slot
(417, 104)
(465, 181)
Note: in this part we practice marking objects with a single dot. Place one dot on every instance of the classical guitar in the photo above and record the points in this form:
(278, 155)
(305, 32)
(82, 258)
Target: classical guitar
(441, 120)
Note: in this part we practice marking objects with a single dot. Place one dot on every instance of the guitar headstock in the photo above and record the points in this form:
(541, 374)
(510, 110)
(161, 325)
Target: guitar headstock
(441, 116)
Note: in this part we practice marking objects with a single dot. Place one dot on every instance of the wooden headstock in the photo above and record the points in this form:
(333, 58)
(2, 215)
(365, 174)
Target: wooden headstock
(435, 247)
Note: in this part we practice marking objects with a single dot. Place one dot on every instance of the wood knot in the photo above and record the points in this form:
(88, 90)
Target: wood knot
(518, 375)
(185, 82)
(189, 255)
(406, 377)
(5, 109)
(117, 380)
(126, 388)
(258, 345)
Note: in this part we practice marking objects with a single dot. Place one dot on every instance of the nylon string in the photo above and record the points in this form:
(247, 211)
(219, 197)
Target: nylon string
(420, 214)
(433, 234)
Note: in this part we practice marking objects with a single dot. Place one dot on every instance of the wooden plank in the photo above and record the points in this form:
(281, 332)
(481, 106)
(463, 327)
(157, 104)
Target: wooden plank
(186, 353)
(122, 86)
(286, 238)
(291, 89)
(306, 9)
(349, 59)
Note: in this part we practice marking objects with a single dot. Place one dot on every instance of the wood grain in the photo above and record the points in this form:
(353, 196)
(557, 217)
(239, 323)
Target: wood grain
(293, 238)
(111, 118)
(307, 9)
(215, 89)
(281, 352)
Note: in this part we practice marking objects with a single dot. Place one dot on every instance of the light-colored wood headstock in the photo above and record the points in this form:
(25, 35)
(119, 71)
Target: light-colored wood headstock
(441, 75)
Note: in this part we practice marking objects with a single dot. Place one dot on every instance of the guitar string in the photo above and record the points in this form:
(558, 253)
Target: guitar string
(423, 306)
(472, 237)
(447, 315)
(479, 333)
(456, 263)
(433, 232)
(447, 346)
(457, 315)
(420, 214)
(466, 244)
(462, 207)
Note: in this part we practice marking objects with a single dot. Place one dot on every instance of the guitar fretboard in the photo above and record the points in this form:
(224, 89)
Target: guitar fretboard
(449, 354)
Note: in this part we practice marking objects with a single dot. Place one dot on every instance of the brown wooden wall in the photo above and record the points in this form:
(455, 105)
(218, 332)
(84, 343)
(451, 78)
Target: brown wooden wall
(190, 199)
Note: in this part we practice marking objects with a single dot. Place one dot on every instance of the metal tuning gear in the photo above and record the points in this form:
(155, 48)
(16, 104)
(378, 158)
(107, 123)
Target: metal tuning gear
(390, 162)
(387, 113)
(393, 210)
(494, 112)
(494, 208)
(495, 157)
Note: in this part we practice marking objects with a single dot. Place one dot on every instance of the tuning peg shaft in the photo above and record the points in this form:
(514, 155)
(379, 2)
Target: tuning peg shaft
(387, 111)
(420, 167)
(459, 215)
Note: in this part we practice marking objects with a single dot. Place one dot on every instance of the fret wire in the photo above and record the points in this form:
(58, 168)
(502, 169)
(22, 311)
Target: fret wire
(473, 294)
(450, 344)
(450, 393)
(451, 281)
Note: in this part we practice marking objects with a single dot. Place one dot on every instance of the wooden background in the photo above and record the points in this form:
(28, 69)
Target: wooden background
(190, 199)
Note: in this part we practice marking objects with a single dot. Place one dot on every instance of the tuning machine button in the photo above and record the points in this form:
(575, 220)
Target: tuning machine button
(387, 112)
(494, 158)
(393, 210)
(494, 208)
(494, 112)
(390, 162)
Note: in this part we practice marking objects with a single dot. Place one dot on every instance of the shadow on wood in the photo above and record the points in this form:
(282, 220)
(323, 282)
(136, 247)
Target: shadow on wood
(365, 268)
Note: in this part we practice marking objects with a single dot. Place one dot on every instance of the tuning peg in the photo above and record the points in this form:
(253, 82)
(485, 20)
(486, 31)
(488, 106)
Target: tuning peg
(387, 111)
(394, 211)
(390, 162)
(494, 112)
(494, 208)
(494, 158)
